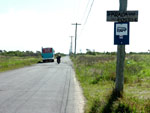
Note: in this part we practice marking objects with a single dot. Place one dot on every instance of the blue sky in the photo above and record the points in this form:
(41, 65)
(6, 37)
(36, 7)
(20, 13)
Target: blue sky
(32, 24)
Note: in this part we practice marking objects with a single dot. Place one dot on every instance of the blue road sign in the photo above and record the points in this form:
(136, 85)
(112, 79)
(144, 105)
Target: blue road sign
(121, 33)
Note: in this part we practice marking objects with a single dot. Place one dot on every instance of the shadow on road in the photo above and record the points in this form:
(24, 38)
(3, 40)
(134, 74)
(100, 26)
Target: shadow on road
(43, 62)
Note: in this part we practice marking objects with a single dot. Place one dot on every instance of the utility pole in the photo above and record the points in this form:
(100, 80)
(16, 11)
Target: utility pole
(121, 38)
(71, 45)
(120, 58)
(76, 24)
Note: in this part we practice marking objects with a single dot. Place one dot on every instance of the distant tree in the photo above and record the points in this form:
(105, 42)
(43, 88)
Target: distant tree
(61, 54)
(89, 52)
(38, 53)
(20, 53)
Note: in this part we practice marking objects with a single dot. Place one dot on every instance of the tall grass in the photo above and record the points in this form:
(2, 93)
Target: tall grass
(97, 78)
(8, 63)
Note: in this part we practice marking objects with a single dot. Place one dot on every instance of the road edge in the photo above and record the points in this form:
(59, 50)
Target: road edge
(79, 92)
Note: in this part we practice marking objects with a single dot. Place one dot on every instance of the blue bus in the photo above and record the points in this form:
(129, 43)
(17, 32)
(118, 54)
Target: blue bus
(48, 54)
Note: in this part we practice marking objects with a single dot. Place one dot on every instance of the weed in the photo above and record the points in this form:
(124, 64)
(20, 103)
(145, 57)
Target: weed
(96, 106)
(124, 108)
(97, 76)
(8, 63)
(108, 107)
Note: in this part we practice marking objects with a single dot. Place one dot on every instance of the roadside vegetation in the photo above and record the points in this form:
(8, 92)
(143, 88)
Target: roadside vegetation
(16, 59)
(96, 74)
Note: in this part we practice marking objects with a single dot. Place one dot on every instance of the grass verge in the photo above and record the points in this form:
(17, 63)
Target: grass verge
(9, 63)
(97, 78)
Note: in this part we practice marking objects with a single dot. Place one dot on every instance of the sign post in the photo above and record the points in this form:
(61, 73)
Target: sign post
(121, 38)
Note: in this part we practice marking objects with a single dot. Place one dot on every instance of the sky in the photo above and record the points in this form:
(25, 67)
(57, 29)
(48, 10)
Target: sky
(32, 24)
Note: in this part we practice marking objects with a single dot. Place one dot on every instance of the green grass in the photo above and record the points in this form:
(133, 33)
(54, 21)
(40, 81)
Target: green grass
(9, 63)
(97, 78)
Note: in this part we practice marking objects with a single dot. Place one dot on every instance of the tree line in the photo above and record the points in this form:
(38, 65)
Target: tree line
(93, 52)
(20, 53)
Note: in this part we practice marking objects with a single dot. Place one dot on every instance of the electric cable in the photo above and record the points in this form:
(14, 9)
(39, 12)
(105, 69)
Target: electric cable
(85, 9)
(87, 17)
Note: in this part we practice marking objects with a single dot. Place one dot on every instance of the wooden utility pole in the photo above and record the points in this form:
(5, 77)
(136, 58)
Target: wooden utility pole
(71, 45)
(121, 38)
(76, 24)
(120, 58)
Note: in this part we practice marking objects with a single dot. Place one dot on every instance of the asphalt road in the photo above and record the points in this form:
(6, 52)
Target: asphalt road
(41, 88)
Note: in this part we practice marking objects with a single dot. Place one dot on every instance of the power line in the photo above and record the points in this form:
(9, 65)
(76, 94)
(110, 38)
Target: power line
(84, 22)
(85, 9)
(87, 17)
(89, 12)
